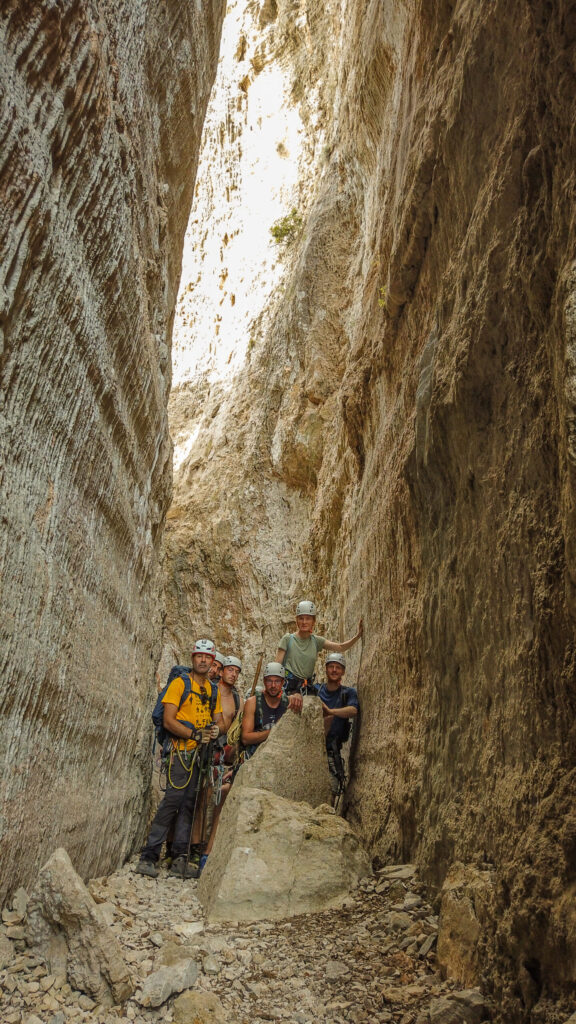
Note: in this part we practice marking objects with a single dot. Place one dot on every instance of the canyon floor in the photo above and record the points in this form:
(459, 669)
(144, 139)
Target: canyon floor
(372, 960)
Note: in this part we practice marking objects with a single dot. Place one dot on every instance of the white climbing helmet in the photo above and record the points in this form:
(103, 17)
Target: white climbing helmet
(274, 668)
(219, 657)
(338, 658)
(232, 662)
(204, 647)
(306, 608)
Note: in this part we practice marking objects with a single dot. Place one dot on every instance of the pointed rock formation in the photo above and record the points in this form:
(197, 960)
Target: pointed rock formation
(67, 928)
(292, 762)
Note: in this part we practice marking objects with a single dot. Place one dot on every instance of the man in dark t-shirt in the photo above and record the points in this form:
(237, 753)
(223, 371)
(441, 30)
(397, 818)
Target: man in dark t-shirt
(340, 705)
(263, 710)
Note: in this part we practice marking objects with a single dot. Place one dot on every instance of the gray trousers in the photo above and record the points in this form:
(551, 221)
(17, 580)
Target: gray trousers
(177, 808)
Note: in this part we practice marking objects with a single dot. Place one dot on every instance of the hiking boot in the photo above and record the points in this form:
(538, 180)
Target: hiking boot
(181, 869)
(147, 867)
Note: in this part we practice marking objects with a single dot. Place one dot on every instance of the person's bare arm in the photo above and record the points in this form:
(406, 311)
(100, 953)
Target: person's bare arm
(280, 655)
(347, 712)
(331, 645)
(249, 735)
(187, 732)
(174, 727)
(295, 702)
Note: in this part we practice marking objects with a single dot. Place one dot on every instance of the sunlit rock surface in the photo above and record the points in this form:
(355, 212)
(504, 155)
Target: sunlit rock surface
(248, 428)
(399, 441)
(101, 115)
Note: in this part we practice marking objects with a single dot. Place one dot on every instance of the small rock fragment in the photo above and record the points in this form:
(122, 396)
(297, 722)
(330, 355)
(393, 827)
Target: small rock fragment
(426, 946)
(187, 929)
(159, 986)
(11, 917)
(210, 965)
(465, 1007)
(199, 1008)
(398, 872)
(20, 901)
(6, 950)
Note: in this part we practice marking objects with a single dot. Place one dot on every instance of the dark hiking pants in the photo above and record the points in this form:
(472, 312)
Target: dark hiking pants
(177, 808)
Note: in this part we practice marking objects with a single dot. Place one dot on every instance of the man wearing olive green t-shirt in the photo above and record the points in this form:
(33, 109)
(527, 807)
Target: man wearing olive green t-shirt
(298, 651)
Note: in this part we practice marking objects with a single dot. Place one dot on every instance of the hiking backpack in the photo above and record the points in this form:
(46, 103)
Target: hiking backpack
(177, 672)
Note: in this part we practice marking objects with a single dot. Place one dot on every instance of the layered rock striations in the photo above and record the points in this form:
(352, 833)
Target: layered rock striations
(400, 443)
(101, 116)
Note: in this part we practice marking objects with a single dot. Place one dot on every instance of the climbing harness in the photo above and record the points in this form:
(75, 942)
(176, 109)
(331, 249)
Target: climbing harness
(187, 759)
(305, 687)
(219, 771)
(294, 684)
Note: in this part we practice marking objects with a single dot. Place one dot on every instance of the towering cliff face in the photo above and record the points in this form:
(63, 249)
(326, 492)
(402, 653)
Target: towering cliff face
(101, 115)
(399, 441)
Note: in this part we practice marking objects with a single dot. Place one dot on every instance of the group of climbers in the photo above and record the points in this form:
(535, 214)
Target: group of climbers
(200, 709)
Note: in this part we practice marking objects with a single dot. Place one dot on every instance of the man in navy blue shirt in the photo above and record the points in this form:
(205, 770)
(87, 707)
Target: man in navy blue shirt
(340, 705)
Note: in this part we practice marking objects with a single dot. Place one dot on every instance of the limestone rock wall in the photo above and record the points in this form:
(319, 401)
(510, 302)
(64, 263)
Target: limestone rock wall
(402, 434)
(101, 114)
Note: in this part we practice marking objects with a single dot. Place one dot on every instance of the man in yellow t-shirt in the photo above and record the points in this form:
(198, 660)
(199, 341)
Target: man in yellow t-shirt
(191, 725)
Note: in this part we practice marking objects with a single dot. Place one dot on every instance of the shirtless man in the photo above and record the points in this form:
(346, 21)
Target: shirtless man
(298, 651)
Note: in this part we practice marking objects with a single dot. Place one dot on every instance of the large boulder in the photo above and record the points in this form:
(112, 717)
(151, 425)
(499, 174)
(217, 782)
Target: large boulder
(274, 858)
(292, 762)
(67, 928)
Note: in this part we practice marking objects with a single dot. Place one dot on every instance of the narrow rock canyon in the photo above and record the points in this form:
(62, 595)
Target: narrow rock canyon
(397, 440)
(374, 407)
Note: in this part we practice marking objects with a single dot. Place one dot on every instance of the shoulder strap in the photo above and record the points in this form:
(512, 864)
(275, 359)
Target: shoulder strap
(258, 712)
(236, 697)
(213, 696)
(187, 688)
